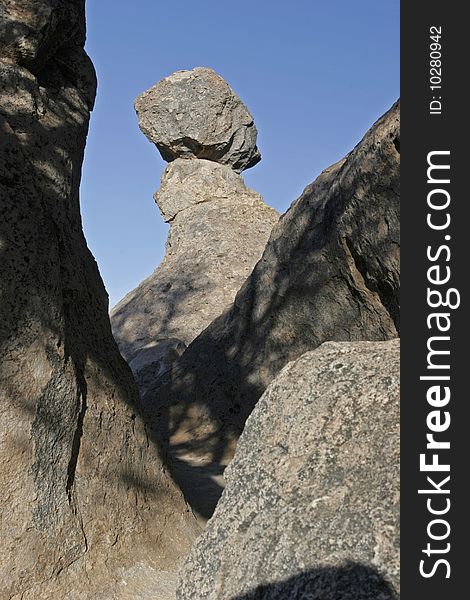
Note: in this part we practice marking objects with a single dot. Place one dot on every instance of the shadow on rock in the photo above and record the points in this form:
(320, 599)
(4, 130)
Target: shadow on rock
(330, 272)
(353, 581)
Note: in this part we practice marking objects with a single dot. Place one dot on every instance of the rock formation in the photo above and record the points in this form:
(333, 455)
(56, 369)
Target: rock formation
(87, 509)
(330, 271)
(311, 507)
(218, 227)
(195, 114)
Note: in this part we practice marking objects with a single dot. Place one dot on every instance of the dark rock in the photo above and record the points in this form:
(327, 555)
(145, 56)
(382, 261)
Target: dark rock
(87, 509)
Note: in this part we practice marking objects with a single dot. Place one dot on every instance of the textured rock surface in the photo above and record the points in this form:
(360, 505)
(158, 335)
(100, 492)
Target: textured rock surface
(87, 510)
(197, 114)
(218, 230)
(311, 507)
(330, 271)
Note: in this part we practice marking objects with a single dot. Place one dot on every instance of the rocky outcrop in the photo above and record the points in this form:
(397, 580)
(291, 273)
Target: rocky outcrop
(87, 509)
(311, 507)
(218, 230)
(330, 271)
(196, 114)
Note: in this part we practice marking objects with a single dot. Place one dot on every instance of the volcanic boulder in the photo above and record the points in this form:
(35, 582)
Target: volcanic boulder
(87, 509)
(196, 114)
(311, 507)
(218, 229)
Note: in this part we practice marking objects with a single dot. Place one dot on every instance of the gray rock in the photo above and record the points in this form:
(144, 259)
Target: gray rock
(311, 507)
(187, 183)
(197, 114)
(218, 230)
(88, 511)
(330, 271)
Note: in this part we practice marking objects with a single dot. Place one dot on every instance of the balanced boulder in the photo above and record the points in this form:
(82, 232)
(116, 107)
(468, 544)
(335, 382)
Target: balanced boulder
(196, 114)
(218, 230)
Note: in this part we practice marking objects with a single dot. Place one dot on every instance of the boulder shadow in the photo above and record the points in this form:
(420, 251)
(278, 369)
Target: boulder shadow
(351, 581)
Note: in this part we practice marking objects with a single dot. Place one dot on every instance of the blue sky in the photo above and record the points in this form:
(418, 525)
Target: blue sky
(314, 74)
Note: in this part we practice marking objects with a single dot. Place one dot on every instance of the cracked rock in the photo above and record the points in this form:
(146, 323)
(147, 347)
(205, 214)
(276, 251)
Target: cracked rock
(196, 114)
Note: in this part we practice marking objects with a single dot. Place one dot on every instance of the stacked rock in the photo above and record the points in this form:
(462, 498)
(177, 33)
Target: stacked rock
(218, 227)
(196, 114)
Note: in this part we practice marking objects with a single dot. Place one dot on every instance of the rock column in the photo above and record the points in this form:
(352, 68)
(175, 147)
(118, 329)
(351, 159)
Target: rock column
(218, 227)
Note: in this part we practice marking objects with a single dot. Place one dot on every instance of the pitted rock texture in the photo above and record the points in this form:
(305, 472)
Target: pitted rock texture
(196, 114)
(311, 507)
(87, 509)
(218, 230)
(32, 33)
(330, 271)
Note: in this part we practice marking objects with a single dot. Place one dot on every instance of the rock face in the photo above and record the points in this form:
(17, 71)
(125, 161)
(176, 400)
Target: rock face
(218, 230)
(330, 271)
(196, 114)
(311, 507)
(87, 509)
